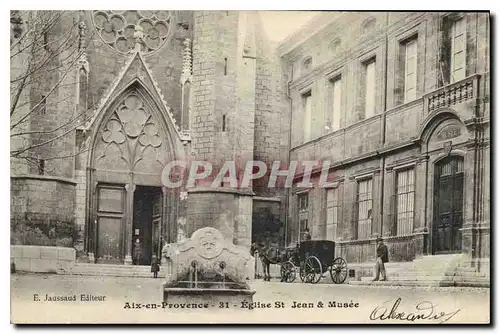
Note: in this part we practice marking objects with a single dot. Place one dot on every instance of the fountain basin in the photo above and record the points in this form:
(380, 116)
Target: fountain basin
(208, 269)
(215, 298)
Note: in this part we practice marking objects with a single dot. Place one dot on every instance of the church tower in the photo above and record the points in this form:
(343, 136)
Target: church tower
(223, 113)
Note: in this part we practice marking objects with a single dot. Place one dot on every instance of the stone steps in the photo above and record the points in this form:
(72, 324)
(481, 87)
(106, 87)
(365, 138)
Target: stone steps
(429, 281)
(409, 278)
(435, 270)
(90, 269)
(392, 283)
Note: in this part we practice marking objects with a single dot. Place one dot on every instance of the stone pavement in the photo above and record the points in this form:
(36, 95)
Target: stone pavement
(472, 304)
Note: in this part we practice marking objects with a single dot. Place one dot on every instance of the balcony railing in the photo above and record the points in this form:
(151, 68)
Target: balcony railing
(452, 94)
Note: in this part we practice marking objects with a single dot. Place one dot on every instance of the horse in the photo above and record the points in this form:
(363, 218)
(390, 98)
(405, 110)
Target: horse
(269, 255)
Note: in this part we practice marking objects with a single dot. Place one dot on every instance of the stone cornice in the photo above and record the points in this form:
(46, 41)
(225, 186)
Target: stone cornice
(314, 26)
(44, 178)
(240, 192)
(267, 199)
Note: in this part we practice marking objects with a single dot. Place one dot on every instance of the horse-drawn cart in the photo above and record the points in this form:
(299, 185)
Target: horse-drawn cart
(312, 259)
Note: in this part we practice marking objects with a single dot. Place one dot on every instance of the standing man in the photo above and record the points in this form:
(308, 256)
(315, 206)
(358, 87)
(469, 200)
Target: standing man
(307, 235)
(155, 266)
(137, 252)
(382, 258)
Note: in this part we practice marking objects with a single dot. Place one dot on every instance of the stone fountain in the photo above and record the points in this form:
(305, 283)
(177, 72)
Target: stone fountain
(206, 268)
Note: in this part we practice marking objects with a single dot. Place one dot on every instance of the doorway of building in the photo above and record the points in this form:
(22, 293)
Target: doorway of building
(146, 224)
(448, 205)
(109, 227)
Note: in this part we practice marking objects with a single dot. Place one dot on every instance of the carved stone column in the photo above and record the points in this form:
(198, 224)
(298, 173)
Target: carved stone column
(377, 202)
(164, 216)
(91, 217)
(186, 78)
(420, 205)
(130, 188)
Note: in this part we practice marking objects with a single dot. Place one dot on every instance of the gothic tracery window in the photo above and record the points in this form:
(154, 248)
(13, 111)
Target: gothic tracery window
(117, 28)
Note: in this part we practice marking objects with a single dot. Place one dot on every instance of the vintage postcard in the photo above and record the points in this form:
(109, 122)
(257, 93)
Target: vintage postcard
(249, 167)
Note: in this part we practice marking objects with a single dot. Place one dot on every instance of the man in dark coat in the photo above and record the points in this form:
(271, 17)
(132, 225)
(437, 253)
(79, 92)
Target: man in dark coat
(307, 234)
(137, 252)
(382, 258)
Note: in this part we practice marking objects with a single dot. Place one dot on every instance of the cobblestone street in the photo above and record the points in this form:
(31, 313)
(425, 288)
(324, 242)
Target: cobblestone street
(472, 303)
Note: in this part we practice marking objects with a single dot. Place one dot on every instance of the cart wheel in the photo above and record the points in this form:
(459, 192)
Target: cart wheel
(312, 270)
(338, 270)
(288, 272)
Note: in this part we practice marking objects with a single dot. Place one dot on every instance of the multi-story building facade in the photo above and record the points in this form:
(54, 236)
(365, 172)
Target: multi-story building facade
(399, 104)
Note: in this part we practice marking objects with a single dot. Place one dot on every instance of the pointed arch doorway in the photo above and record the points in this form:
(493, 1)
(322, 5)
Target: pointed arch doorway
(448, 205)
(131, 144)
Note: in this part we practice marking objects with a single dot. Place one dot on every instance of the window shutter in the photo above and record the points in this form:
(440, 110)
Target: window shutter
(458, 46)
(410, 88)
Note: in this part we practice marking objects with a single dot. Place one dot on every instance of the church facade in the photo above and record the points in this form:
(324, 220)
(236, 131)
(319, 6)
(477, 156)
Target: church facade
(397, 102)
(147, 88)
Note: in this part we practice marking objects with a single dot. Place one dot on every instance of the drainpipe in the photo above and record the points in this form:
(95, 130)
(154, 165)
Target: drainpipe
(288, 192)
(382, 137)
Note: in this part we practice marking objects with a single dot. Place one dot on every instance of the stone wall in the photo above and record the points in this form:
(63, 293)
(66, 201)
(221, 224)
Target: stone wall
(229, 212)
(40, 259)
(165, 63)
(42, 211)
(204, 48)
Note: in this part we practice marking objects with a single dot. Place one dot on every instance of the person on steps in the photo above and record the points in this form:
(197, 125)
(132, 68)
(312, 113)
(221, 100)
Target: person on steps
(137, 252)
(155, 266)
(382, 258)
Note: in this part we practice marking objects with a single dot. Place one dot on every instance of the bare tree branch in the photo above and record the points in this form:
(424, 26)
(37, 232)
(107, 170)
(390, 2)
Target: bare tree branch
(40, 65)
(40, 102)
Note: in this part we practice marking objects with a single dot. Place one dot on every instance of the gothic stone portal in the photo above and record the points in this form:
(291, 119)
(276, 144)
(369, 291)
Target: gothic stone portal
(127, 203)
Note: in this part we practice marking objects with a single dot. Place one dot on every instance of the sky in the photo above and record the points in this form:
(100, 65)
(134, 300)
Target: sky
(280, 24)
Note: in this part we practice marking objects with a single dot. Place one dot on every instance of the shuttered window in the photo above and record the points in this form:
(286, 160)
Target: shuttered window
(458, 50)
(336, 103)
(333, 210)
(307, 116)
(410, 89)
(405, 197)
(370, 89)
(303, 204)
(364, 204)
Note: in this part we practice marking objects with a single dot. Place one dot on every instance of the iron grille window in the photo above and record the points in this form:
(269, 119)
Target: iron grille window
(405, 198)
(333, 208)
(364, 203)
(303, 204)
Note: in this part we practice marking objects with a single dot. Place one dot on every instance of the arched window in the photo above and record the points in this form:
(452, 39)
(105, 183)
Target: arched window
(335, 45)
(307, 65)
(368, 25)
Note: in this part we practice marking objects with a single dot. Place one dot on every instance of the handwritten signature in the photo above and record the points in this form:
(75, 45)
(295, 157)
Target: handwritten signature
(425, 310)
